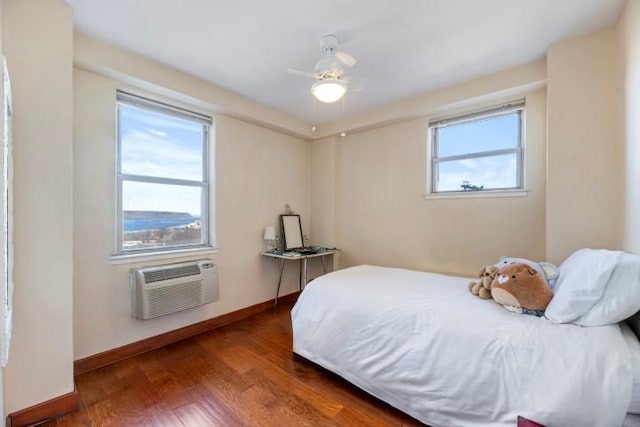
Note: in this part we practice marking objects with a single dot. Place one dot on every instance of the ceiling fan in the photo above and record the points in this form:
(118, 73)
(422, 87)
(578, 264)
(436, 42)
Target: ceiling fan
(329, 71)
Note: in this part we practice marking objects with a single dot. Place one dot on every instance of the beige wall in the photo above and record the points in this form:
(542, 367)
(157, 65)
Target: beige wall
(94, 55)
(324, 201)
(584, 178)
(629, 32)
(254, 170)
(39, 50)
(324, 187)
(2, 7)
(383, 218)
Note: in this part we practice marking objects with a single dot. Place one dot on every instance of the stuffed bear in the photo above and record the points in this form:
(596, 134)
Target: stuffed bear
(521, 288)
(482, 287)
(548, 270)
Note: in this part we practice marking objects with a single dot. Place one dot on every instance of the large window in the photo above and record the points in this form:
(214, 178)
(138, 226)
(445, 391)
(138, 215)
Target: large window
(480, 151)
(163, 176)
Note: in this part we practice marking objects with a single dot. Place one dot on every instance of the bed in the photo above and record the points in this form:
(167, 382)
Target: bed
(420, 342)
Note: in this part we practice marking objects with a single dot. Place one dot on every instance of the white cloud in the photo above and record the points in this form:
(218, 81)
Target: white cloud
(166, 158)
(158, 133)
(469, 163)
(158, 197)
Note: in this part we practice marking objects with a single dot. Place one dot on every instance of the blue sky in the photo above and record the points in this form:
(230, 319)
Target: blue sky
(495, 133)
(159, 145)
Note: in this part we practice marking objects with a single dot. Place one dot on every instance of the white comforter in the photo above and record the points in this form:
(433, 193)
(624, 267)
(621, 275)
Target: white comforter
(424, 344)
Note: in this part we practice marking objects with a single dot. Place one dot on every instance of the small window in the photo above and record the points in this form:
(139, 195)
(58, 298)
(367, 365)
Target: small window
(481, 151)
(163, 176)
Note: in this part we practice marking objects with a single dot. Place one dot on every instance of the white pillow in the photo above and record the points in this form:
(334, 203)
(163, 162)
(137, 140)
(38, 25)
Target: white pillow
(581, 283)
(596, 287)
(621, 298)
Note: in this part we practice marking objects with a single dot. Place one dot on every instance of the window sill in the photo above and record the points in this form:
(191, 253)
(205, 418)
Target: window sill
(157, 256)
(478, 194)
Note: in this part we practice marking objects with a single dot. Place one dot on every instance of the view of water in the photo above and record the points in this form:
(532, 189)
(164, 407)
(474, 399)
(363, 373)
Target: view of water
(151, 224)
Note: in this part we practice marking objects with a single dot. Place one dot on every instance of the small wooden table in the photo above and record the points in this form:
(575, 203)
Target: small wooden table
(304, 264)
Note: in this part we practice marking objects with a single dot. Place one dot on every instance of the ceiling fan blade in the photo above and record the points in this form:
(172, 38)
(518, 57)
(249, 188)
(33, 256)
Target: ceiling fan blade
(346, 59)
(301, 73)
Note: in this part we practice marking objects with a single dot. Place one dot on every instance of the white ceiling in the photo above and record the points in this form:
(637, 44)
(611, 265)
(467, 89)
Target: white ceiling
(403, 47)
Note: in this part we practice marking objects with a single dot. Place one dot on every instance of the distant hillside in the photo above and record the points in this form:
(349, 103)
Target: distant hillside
(156, 215)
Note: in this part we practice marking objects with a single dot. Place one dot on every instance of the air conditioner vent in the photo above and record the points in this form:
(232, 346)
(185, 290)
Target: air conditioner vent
(171, 273)
(173, 298)
(165, 289)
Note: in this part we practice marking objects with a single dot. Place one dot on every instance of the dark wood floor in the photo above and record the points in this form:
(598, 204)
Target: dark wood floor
(241, 374)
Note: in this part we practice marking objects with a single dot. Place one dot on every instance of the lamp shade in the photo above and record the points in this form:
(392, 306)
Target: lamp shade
(329, 90)
(269, 233)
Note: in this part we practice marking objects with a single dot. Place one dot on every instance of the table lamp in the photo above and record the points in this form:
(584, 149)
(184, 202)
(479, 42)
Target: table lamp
(269, 237)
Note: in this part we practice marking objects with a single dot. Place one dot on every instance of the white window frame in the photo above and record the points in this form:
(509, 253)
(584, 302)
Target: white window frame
(141, 102)
(517, 107)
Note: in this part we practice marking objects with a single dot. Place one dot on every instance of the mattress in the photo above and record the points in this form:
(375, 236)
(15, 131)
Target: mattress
(424, 344)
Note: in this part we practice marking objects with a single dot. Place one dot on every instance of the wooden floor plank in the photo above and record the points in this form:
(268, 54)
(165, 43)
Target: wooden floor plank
(302, 407)
(268, 370)
(202, 413)
(242, 374)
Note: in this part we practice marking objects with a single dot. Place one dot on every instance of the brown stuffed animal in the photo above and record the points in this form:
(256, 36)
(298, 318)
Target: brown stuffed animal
(520, 288)
(482, 287)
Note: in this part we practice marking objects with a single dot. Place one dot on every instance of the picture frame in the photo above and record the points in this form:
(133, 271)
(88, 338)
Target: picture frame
(291, 232)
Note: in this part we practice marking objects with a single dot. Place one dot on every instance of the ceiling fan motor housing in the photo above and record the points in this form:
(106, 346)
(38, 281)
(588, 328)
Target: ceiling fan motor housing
(329, 44)
(329, 67)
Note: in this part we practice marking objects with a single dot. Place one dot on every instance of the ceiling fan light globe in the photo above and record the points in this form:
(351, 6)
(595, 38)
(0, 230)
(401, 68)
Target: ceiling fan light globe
(328, 90)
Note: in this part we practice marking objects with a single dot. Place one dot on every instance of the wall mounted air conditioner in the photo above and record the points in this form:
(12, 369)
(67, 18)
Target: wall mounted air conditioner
(165, 289)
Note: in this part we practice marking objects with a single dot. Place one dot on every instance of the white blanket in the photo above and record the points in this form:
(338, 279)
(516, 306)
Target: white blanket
(424, 344)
